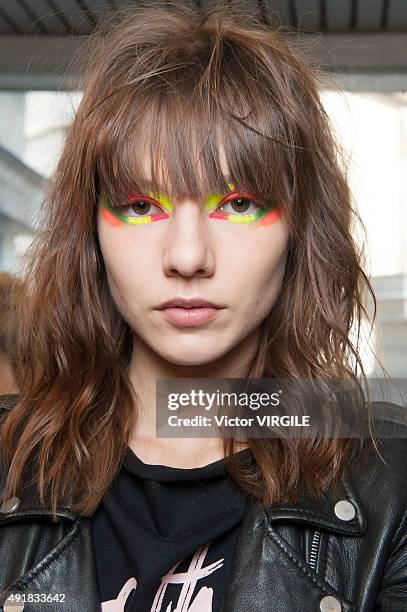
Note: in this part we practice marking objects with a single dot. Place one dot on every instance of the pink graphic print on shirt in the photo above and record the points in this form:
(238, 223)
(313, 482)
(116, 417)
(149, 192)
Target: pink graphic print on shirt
(188, 579)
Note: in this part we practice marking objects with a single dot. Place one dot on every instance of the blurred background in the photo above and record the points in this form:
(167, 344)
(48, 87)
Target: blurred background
(361, 43)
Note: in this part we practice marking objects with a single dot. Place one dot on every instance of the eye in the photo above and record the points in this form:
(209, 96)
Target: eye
(240, 204)
(138, 207)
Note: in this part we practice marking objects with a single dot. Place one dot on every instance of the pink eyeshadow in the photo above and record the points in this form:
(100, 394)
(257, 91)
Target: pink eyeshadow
(219, 215)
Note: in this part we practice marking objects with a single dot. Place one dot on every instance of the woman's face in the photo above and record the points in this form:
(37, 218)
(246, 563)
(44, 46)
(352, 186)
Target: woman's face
(228, 251)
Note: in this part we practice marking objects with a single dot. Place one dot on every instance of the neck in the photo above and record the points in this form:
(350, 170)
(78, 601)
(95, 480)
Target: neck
(145, 368)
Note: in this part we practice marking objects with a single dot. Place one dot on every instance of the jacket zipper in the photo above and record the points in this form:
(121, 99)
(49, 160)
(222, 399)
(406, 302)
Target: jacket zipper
(314, 550)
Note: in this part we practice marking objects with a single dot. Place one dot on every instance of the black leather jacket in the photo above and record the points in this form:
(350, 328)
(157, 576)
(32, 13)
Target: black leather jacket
(346, 552)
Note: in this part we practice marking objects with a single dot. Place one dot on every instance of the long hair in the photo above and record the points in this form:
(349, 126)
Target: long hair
(170, 83)
(10, 287)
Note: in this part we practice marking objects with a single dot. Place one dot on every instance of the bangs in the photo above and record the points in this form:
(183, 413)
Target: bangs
(191, 128)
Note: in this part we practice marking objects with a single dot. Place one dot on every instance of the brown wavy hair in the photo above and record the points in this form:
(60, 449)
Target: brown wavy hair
(172, 82)
(10, 287)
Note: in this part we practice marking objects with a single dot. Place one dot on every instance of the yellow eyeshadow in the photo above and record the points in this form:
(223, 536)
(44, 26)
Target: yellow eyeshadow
(213, 200)
(163, 200)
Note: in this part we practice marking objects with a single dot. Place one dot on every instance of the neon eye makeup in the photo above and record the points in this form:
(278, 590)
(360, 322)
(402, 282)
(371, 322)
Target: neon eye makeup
(134, 212)
(271, 215)
(141, 209)
(264, 215)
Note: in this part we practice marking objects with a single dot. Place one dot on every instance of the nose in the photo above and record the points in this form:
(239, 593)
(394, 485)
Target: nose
(187, 246)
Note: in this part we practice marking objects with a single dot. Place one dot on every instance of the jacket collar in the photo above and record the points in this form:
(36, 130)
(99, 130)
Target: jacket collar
(318, 513)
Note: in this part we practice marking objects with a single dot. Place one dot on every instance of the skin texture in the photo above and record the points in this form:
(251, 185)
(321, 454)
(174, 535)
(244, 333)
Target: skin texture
(238, 266)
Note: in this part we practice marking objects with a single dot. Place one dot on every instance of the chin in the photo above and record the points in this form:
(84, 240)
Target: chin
(192, 358)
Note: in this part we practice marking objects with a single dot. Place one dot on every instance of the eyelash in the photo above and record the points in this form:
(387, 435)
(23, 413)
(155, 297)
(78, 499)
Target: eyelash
(238, 196)
(230, 198)
(131, 203)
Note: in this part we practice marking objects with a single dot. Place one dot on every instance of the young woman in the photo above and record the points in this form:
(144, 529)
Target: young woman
(198, 225)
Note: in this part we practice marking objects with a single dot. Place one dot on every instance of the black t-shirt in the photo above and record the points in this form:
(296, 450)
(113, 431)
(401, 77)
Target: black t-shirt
(164, 537)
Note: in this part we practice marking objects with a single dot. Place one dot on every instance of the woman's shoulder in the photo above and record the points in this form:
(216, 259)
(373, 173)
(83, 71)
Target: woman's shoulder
(379, 478)
(389, 432)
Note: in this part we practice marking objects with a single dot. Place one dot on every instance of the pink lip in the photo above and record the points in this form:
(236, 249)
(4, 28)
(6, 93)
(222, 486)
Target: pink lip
(182, 302)
(190, 316)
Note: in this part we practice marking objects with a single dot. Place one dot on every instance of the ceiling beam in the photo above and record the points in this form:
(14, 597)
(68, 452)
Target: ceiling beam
(349, 52)
(39, 62)
(48, 62)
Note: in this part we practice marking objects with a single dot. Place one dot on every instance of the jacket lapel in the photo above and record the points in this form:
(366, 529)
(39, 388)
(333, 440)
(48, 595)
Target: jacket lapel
(269, 567)
(320, 513)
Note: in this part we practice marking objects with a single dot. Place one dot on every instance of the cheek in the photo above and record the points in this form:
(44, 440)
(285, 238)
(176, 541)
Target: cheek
(255, 250)
(113, 243)
(257, 266)
(265, 281)
(271, 259)
(126, 260)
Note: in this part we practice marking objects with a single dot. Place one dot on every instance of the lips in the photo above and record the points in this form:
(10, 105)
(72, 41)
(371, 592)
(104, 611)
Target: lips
(189, 312)
(187, 303)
